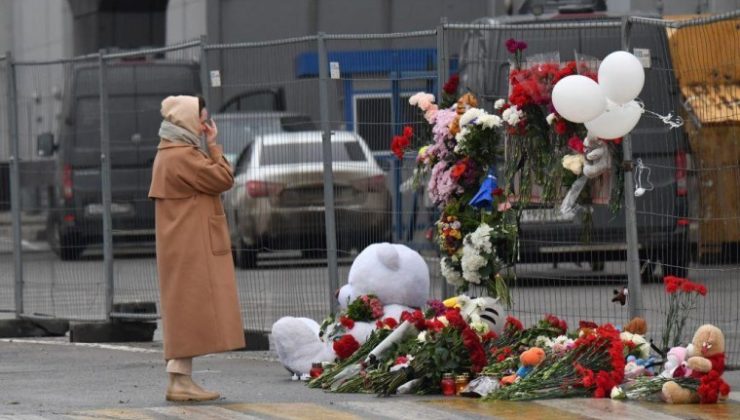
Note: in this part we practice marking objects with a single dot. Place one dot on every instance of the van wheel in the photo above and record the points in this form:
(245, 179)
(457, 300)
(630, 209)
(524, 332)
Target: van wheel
(67, 246)
(244, 257)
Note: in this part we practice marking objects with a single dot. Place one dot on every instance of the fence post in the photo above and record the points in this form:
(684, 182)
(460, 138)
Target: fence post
(15, 185)
(634, 282)
(106, 186)
(329, 214)
(204, 78)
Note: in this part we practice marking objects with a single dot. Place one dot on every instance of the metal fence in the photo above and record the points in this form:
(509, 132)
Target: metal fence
(79, 136)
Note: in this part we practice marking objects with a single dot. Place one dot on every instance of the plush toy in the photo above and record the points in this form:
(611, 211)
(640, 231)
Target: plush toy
(707, 355)
(675, 365)
(484, 313)
(636, 325)
(529, 360)
(598, 158)
(397, 275)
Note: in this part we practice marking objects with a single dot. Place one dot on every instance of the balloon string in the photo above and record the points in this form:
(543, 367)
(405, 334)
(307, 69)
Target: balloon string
(673, 121)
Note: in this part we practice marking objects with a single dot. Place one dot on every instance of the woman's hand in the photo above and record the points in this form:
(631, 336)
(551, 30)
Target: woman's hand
(211, 131)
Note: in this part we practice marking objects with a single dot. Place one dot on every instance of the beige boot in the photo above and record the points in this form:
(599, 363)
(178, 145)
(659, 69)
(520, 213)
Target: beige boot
(182, 388)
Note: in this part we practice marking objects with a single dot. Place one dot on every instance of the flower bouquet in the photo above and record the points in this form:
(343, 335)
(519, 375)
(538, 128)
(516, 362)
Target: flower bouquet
(682, 297)
(474, 234)
(592, 367)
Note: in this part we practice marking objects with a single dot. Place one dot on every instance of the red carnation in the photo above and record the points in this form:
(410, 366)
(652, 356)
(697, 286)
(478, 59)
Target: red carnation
(458, 170)
(408, 131)
(346, 322)
(576, 144)
(401, 360)
(513, 324)
(561, 127)
(498, 192)
(345, 346)
(454, 318)
(452, 83)
(399, 145)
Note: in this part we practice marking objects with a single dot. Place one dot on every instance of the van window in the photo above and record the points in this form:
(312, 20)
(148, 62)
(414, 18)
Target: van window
(288, 153)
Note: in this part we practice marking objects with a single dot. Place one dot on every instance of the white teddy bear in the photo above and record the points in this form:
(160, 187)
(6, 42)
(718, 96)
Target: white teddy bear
(396, 274)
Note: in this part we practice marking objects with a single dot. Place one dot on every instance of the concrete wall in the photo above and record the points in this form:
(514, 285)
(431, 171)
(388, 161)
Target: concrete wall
(36, 29)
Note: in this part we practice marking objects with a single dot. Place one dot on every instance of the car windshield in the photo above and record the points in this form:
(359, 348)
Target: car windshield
(287, 153)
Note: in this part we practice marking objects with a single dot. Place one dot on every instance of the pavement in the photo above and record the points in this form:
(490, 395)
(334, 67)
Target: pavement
(55, 379)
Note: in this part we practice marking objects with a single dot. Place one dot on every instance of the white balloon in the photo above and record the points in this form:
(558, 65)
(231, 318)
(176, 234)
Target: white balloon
(578, 99)
(616, 121)
(621, 77)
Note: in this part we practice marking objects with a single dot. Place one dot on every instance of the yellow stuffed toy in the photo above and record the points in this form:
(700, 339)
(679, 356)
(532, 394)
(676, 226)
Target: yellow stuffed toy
(706, 355)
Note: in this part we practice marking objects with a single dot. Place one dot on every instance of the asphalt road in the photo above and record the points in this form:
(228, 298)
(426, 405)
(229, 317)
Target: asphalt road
(53, 379)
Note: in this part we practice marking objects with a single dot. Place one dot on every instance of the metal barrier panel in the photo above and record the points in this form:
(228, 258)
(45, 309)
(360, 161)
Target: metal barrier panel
(7, 303)
(372, 79)
(136, 83)
(264, 97)
(700, 206)
(57, 119)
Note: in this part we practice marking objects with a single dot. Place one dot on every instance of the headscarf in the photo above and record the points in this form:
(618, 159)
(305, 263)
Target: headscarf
(181, 122)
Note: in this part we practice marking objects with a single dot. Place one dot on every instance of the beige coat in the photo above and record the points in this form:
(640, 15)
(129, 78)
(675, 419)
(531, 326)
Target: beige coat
(199, 302)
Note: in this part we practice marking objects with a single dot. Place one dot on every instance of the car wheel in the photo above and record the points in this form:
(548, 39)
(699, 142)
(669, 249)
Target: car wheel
(67, 246)
(244, 257)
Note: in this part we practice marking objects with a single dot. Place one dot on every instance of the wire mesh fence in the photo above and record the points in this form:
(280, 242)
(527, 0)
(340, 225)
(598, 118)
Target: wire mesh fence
(266, 100)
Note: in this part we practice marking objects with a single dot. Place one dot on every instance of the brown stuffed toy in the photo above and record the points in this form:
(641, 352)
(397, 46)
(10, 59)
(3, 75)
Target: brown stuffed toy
(706, 355)
(636, 326)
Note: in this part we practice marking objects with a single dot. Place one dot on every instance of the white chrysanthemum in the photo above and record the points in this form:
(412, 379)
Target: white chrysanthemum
(422, 337)
(543, 341)
(460, 136)
(489, 121)
(481, 238)
(550, 118)
(499, 104)
(512, 115)
(452, 276)
(471, 115)
(471, 263)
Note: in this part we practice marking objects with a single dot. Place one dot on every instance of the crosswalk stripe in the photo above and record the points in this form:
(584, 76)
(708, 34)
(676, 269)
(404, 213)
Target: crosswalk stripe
(719, 411)
(504, 410)
(112, 413)
(219, 413)
(615, 410)
(21, 417)
(400, 410)
(190, 412)
(293, 411)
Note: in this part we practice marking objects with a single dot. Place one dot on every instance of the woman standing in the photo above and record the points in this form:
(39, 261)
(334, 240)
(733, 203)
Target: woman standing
(199, 303)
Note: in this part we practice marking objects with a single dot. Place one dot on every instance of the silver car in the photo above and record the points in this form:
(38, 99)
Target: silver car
(277, 201)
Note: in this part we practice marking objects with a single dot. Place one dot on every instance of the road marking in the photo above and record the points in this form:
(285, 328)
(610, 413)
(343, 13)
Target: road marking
(402, 410)
(506, 410)
(606, 408)
(294, 411)
(112, 413)
(213, 412)
(101, 346)
(21, 417)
